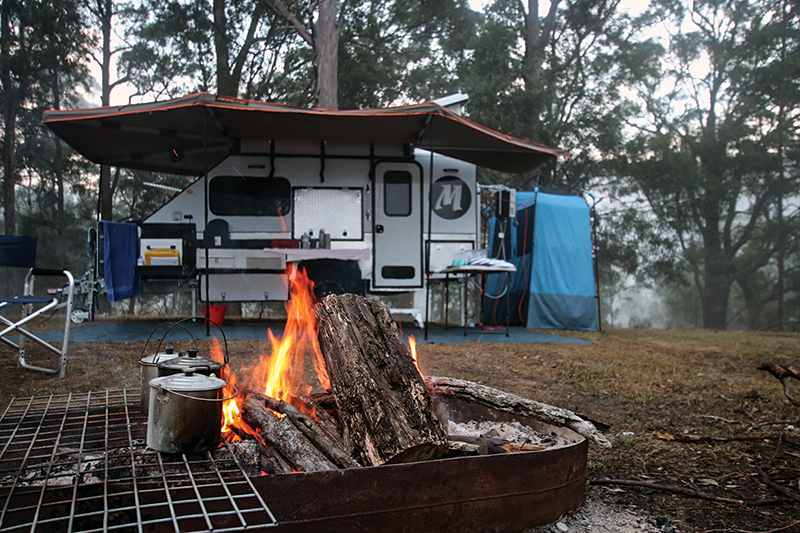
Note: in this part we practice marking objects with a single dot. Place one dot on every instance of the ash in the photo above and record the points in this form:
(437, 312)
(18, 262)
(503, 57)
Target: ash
(509, 431)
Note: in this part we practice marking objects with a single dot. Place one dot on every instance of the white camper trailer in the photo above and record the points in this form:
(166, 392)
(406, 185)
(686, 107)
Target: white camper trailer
(369, 200)
(266, 211)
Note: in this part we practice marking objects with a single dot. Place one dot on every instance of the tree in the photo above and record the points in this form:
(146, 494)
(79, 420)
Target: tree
(557, 79)
(708, 160)
(402, 51)
(105, 13)
(37, 39)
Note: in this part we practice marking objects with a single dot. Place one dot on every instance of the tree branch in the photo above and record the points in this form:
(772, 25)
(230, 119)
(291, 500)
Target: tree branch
(281, 10)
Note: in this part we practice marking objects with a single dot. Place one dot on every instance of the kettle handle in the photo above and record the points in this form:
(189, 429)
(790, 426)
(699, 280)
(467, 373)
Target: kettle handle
(181, 321)
(158, 350)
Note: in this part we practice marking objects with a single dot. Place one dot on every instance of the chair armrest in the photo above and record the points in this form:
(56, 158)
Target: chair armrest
(47, 272)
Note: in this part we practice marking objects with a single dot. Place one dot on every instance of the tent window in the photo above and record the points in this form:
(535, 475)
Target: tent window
(249, 196)
(397, 193)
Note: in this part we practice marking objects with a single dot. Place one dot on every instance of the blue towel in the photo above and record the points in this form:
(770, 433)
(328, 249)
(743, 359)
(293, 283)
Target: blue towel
(120, 252)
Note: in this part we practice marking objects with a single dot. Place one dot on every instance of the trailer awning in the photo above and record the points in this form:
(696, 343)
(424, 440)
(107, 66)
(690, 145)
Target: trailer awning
(169, 136)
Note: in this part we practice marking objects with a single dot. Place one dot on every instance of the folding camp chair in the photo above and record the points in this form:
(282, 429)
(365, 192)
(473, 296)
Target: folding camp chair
(21, 252)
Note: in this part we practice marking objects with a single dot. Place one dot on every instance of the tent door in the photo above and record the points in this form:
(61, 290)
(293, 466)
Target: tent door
(397, 226)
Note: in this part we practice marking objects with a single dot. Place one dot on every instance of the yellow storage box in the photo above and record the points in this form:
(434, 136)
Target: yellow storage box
(162, 257)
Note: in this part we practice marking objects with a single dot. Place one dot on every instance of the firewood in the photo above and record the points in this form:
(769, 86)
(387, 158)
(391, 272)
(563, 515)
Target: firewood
(272, 462)
(330, 445)
(511, 403)
(457, 448)
(384, 406)
(494, 445)
(281, 434)
(323, 413)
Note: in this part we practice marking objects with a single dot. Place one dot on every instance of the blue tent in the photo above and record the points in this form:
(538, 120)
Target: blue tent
(551, 246)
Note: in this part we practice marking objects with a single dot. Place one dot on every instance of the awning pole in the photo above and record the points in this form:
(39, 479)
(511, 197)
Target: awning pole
(206, 309)
(427, 247)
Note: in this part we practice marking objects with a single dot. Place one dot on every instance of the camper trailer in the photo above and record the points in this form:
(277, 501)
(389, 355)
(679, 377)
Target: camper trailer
(360, 223)
(371, 200)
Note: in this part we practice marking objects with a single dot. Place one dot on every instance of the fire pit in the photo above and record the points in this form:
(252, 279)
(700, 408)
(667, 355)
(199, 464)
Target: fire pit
(79, 463)
(370, 451)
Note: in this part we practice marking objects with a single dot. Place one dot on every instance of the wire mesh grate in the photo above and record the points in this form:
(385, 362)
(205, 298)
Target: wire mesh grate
(79, 462)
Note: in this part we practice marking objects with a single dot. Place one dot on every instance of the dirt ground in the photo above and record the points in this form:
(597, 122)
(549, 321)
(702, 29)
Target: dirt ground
(703, 440)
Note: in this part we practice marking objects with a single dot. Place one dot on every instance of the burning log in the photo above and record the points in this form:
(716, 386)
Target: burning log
(511, 403)
(385, 408)
(272, 462)
(326, 442)
(282, 435)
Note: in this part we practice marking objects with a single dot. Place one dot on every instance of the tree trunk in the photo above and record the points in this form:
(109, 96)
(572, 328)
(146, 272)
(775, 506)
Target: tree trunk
(327, 52)
(383, 403)
(226, 85)
(105, 10)
(9, 122)
(716, 290)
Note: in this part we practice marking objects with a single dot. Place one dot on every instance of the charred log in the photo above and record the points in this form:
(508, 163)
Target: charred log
(282, 435)
(328, 443)
(385, 408)
(272, 462)
(511, 403)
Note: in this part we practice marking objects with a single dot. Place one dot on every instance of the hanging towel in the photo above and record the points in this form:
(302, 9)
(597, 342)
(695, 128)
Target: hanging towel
(120, 252)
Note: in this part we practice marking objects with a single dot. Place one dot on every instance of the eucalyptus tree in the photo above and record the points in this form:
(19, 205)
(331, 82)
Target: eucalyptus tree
(713, 158)
(242, 49)
(558, 78)
(402, 51)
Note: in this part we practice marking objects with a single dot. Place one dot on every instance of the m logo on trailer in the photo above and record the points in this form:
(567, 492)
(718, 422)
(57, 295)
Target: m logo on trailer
(451, 197)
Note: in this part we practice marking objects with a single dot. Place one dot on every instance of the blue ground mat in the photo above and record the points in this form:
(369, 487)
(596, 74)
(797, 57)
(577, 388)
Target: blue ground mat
(130, 332)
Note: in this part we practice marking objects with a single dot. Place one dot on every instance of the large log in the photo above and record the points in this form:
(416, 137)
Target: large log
(512, 403)
(384, 406)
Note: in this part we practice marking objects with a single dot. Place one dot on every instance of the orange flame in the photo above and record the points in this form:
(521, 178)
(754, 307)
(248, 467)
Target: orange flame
(412, 344)
(281, 374)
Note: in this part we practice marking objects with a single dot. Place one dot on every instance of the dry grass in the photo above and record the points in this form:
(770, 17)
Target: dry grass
(645, 385)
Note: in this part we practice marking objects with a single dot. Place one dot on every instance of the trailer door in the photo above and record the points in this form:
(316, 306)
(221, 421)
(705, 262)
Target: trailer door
(397, 229)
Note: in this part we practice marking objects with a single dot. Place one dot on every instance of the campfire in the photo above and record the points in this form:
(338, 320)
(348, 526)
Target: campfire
(341, 390)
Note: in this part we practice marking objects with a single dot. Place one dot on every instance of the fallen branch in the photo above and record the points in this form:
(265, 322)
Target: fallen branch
(686, 492)
(774, 486)
(784, 528)
(710, 438)
(511, 403)
(781, 372)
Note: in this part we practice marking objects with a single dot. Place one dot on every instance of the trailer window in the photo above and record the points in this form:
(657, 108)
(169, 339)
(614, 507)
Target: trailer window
(249, 196)
(397, 193)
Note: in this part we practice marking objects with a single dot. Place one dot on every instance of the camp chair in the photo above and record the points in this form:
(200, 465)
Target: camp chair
(21, 252)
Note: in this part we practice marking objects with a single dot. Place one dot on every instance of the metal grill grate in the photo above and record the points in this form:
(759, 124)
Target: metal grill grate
(79, 462)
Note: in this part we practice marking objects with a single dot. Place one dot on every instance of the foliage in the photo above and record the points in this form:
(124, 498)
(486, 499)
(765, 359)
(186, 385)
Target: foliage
(707, 158)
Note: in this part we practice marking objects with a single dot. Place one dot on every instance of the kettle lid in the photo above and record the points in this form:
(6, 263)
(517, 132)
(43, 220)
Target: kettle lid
(188, 381)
